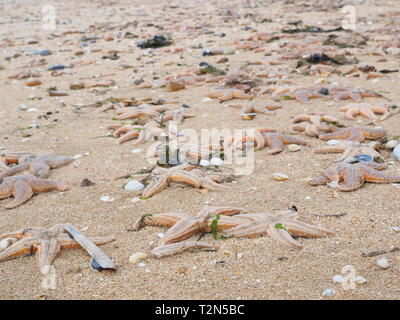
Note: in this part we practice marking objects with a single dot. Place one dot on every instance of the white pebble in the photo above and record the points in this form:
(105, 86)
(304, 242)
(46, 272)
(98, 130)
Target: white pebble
(338, 278)
(134, 200)
(206, 99)
(137, 150)
(293, 147)
(5, 243)
(361, 280)
(138, 256)
(134, 185)
(216, 162)
(383, 263)
(329, 292)
(332, 142)
(107, 199)
(204, 163)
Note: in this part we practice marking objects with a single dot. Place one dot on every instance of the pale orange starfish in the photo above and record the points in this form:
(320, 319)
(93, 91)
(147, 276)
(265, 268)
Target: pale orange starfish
(353, 175)
(364, 109)
(178, 115)
(23, 187)
(312, 124)
(354, 94)
(353, 133)
(276, 141)
(350, 149)
(47, 243)
(142, 134)
(143, 110)
(228, 94)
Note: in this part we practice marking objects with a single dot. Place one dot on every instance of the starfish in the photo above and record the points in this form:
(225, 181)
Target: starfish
(178, 115)
(353, 175)
(188, 78)
(22, 188)
(350, 149)
(252, 108)
(38, 165)
(254, 136)
(228, 94)
(11, 157)
(277, 141)
(180, 174)
(184, 226)
(312, 124)
(358, 134)
(355, 94)
(141, 133)
(302, 95)
(277, 226)
(47, 243)
(143, 110)
(364, 109)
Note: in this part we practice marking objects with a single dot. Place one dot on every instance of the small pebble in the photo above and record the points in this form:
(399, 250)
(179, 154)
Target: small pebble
(383, 263)
(293, 147)
(329, 292)
(391, 144)
(138, 256)
(107, 199)
(135, 200)
(204, 163)
(361, 280)
(134, 185)
(280, 176)
(338, 278)
(216, 162)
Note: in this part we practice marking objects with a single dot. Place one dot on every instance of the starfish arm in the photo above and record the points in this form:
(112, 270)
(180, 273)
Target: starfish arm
(238, 94)
(22, 192)
(339, 134)
(227, 211)
(351, 113)
(174, 248)
(250, 229)
(355, 96)
(58, 162)
(18, 248)
(301, 96)
(375, 165)
(372, 175)
(303, 229)
(319, 181)
(14, 170)
(356, 135)
(368, 113)
(156, 186)
(301, 118)
(352, 178)
(329, 150)
(159, 220)
(289, 140)
(184, 229)
(184, 177)
(39, 169)
(44, 185)
(297, 127)
(46, 253)
(227, 95)
(6, 188)
(130, 135)
(311, 130)
(209, 184)
(283, 237)
(373, 133)
(275, 143)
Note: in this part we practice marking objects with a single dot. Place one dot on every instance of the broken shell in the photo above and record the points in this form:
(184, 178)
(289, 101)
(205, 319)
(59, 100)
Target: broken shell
(280, 176)
(361, 280)
(329, 292)
(5, 243)
(137, 257)
(391, 144)
(248, 116)
(383, 263)
(134, 185)
(338, 278)
(33, 83)
(293, 147)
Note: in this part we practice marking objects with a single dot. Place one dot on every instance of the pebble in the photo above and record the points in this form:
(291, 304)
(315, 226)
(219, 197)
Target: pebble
(138, 81)
(206, 99)
(280, 176)
(5, 243)
(137, 150)
(329, 292)
(383, 263)
(23, 107)
(135, 200)
(395, 229)
(396, 152)
(204, 163)
(174, 85)
(134, 185)
(332, 142)
(338, 278)
(361, 280)
(137, 257)
(216, 162)
(293, 147)
(107, 199)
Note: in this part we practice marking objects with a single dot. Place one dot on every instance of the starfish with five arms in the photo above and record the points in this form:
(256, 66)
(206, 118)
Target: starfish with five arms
(358, 134)
(47, 243)
(226, 94)
(353, 175)
(178, 115)
(142, 134)
(38, 165)
(181, 174)
(364, 109)
(24, 186)
(143, 110)
(312, 124)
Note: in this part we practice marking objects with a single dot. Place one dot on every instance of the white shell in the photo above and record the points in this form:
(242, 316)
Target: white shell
(396, 152)
(383, 263)
(204, 163)
(293, 147)
(338, 278)
(138, 256)
(329, 292)
(134, 185)
(216, 162)
(361, 280)
(280, 176)
(5, 243)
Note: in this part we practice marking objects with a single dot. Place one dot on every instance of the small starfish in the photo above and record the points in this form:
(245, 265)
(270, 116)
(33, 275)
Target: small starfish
(253, 137)
(350, 149)
(353, 133)
(22, 188)
(143, 110)
(277, 226)
(355, 94)
(228, 94)
(178, 115)
(277, 141)
(252, 108)
(312, 124)
(353, 175)
(188, 78)
(143, 133)
(38, 165)
(47, 243)
(364, 109)
(180, 174)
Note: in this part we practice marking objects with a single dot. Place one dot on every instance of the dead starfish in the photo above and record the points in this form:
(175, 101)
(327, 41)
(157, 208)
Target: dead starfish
(364, 109)
(353, 133)
(278, 226)
(277, 141)
(46, 242)
(188, 78)
(180, 174)
(353, 175)
(178, 115)
(38, 165)
(228, 94)
(142, 134)
(302, 95)
(252, 108)
(355, 94)
(143, 110)
(350, 149)
(312, 124)
(22, 188)
(11, 157)
(178, 247)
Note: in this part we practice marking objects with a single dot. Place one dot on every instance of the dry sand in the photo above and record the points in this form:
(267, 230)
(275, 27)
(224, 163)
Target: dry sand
(256, 268)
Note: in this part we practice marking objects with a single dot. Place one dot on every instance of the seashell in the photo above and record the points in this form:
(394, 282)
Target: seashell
(293, 147)
(396, 152)
(137, 257)
(329, 292)
(364, 157)
(134, 185)
(338, 278)
(216, 162)
(5, 243)
(204, 163)
(391, 144)
(280, 176)
(383, 263)
(248, 116)
(361, 280)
